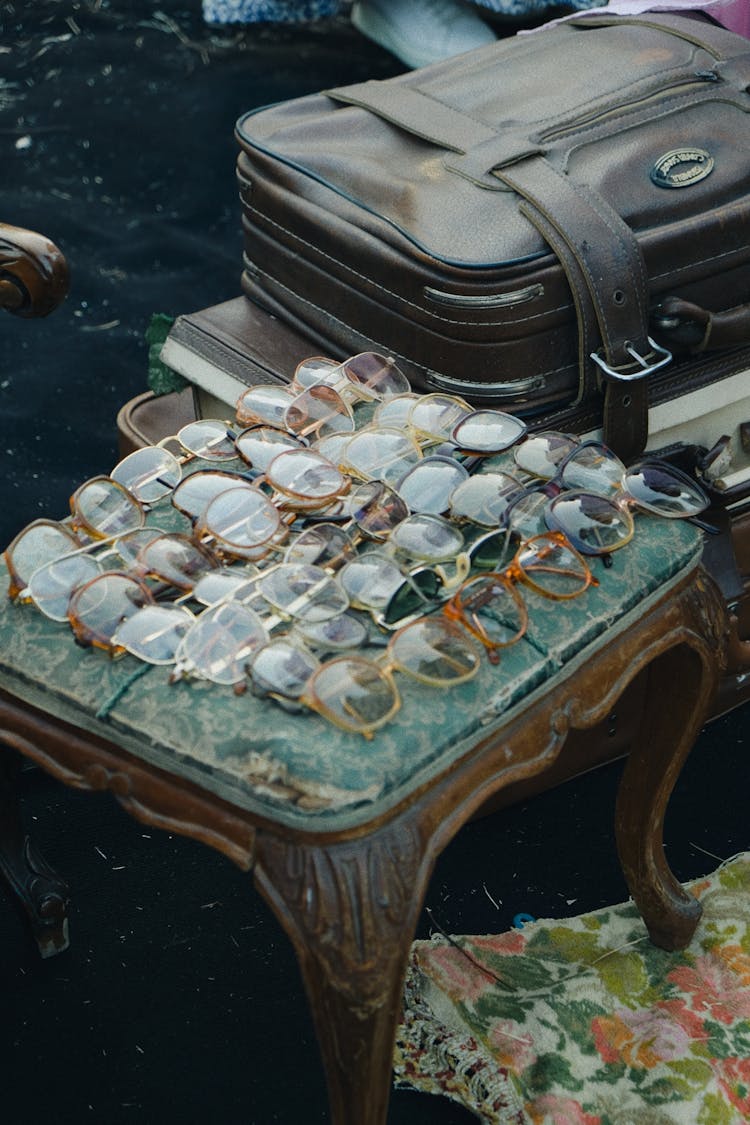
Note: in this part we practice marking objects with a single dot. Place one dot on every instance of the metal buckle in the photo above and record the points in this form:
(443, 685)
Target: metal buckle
(643, 368)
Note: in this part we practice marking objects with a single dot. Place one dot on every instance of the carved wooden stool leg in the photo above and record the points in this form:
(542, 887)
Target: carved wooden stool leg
(40, 890)
(351, 910)
(679, 688)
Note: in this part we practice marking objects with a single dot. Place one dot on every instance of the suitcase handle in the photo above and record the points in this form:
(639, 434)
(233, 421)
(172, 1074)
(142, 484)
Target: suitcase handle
(689, 327)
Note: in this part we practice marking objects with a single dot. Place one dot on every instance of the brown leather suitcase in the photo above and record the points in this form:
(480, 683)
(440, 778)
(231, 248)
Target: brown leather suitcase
(340, 255)
(538, 224)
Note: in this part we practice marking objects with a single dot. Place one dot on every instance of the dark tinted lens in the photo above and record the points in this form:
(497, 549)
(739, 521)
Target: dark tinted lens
(486, 552)
(412, 596)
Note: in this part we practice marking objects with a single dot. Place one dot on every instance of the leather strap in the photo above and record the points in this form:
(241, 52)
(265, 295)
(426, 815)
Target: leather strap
(608, 258)
(588, 338)
(603, 246)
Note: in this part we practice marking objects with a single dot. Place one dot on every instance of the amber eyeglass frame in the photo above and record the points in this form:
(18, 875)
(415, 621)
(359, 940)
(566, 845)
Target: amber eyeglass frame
(84, 633)
(476, 592)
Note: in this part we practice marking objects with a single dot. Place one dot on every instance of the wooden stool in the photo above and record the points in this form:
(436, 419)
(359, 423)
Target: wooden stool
(342, 833)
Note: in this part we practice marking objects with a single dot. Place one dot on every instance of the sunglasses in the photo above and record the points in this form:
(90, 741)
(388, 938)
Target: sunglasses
(374, 582)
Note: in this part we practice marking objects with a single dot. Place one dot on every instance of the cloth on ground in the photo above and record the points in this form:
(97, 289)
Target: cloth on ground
(302, 11)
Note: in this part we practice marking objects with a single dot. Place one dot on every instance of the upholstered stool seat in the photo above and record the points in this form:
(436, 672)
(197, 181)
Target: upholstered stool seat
(342, 831)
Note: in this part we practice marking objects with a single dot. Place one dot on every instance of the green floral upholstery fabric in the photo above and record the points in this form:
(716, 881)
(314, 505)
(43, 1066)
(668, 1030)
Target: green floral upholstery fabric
(297, 766)
(583, 1021)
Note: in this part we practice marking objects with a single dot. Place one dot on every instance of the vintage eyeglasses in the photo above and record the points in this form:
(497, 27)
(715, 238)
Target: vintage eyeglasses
(224, 642)
(589, 465)
(258, 445)
(313, 600)
(318, 400)
(304, 478)
(434, 417)
(651, 484)
(154, 633)
(490, 605)
(379, 453)
(152, 472)
(241, 523)
(429, 485)
(232, 642)
(321, 544)
(376, 580)
(241, 516)
(219, 643)
(541, 454)
(598, 490)
(448, 418)
(52, 584)
(102, 508)
(437, 419)
(424, 537)
(387, 452)
(376, 511)
(360, 695)
(484, 498)
(100, 606)
(195, 492)
(484, 432)
(367, 376)
(285, 664)
(597, 524)
(224, 636)
(380, 515)
(37, 544)
(394, 412)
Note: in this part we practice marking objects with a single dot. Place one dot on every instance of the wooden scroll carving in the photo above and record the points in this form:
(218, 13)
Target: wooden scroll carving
(34, 275)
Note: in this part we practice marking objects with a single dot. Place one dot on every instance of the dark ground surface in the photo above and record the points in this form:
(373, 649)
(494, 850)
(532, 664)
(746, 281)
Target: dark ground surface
(180, 1000)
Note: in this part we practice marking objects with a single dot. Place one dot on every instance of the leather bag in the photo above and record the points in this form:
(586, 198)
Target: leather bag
(557, 224)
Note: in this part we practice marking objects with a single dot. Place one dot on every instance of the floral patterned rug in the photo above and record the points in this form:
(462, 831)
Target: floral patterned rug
(583, 1021)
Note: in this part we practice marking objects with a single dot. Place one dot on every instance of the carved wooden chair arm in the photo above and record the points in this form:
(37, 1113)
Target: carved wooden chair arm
(34, 276)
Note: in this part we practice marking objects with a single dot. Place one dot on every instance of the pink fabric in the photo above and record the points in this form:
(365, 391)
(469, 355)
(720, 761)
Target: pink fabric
(732, 14)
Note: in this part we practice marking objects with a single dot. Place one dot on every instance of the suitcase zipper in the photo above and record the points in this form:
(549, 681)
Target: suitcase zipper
(700, 78)
(491, 301)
